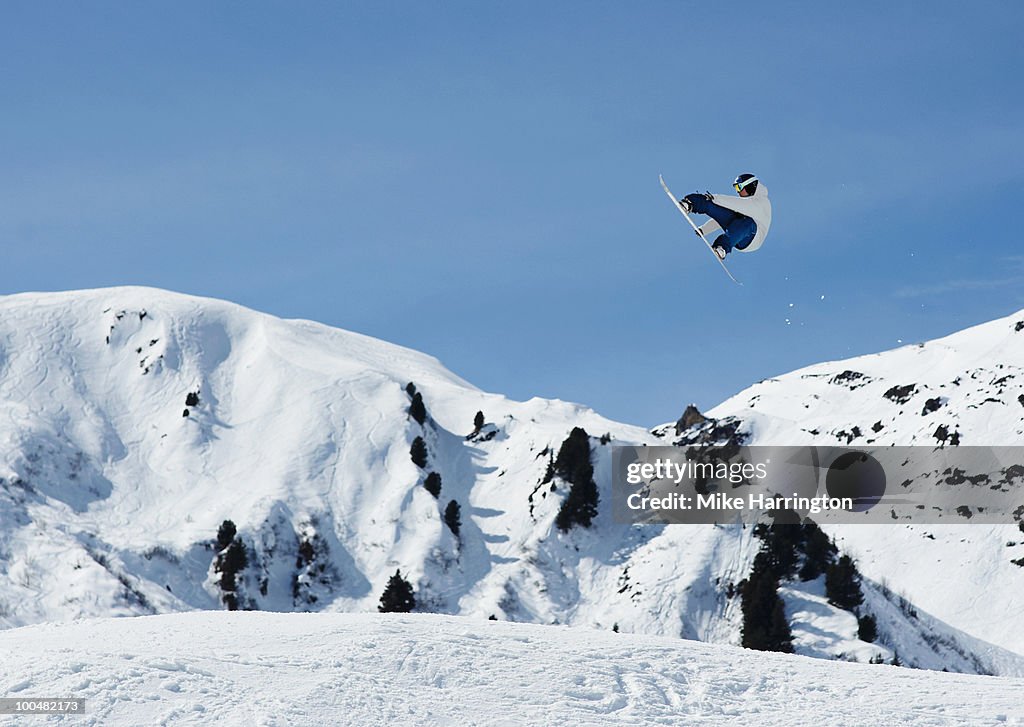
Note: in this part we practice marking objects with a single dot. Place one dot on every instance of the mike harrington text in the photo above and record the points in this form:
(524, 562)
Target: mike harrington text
(753, 501)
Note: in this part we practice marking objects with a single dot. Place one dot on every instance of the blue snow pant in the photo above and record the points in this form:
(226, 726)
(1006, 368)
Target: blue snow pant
(737, 230)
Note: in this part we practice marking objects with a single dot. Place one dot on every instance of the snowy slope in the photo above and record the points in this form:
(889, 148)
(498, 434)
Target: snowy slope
(363, 669)
(969, 385)
(111, 498)
(301, 436)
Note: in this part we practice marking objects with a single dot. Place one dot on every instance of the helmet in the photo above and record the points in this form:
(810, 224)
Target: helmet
(745, 181)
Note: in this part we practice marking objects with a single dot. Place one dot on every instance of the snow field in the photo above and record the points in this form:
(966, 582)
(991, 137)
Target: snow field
(248, 668)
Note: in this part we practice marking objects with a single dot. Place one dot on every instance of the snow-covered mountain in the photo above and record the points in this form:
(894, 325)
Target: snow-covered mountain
(425, 669)
(134, 422)
(964, 389)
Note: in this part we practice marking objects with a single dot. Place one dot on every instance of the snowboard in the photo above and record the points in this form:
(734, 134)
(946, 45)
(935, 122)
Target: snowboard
(700, 234)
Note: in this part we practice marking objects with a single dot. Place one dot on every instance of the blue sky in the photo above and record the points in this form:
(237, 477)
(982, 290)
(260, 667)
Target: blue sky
(480, 180)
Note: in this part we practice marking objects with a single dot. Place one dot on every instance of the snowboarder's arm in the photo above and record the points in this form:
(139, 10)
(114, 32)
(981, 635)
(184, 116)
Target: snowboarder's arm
(743, 205)
(697, 202)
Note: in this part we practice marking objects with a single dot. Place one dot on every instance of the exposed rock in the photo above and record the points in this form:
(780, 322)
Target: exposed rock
(901, 394)
(690, 417)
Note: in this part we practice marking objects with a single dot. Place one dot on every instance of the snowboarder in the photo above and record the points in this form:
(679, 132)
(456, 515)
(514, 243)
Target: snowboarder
(743, 220)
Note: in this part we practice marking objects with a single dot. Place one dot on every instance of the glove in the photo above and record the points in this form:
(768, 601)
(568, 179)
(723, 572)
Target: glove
(685, 204)
(696, 202)
(709, 197)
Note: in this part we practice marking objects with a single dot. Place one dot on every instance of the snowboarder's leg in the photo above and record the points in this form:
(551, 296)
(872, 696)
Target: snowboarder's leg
(741, 232)
(737, 235)
(724, 217)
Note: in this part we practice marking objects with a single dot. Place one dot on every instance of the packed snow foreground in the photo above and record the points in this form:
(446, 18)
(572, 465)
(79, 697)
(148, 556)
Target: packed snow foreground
(250, 668)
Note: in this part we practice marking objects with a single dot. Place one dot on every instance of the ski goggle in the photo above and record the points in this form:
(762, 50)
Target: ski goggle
(738, 185)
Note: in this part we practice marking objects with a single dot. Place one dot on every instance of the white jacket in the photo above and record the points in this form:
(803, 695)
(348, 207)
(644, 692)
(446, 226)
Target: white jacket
(757, 206)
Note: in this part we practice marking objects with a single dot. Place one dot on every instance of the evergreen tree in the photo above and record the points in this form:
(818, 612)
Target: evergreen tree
(231, 559)
(781, 543)
(433, 484)
(574, 454)
(452, 517)
(418, 452)
(842, 584)
(819, 552)
(478, 422)
(580, 507)
(573, 465)
(410, 389)
(764, 618)
(225, 534)
(417, 410)
(867, 628)
(398, 596)
(228, 563)
(779, 635)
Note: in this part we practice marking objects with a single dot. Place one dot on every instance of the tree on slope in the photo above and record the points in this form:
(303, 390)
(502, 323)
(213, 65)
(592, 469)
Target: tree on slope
(417, 409)
(764, 617)
(453, 517)
(573, 464)
(398, 596)
(842, 584)
(418, 452)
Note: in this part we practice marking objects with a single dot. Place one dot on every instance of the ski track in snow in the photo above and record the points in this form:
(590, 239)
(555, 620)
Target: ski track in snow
(389, 669)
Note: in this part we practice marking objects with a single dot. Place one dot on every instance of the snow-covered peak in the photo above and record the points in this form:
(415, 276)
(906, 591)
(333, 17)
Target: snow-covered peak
(968, 385)
(134, 422)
